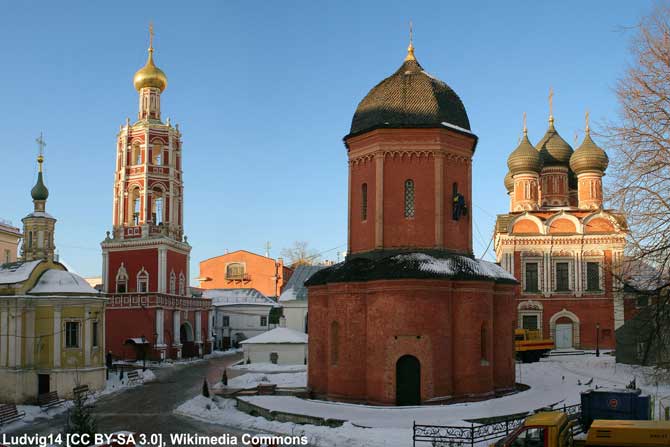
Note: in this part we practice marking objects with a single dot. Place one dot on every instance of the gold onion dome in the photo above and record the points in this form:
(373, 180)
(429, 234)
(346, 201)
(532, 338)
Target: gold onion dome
(588, 156)
(554, 150)
(509, 182)
(525, 158)
(150, 75)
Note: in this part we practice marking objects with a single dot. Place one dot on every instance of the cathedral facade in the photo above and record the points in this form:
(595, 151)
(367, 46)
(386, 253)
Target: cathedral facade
(146, 257)
(410, 316)
(563, 246)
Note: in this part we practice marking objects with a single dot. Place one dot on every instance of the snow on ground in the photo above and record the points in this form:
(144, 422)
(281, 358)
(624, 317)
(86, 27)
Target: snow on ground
(251, 380)
(223, 412)
(34, 412)
(555, 380)
(226, 353)
(268, 368)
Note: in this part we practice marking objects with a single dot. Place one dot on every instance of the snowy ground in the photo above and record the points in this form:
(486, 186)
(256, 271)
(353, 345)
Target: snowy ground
(168, 363)
(251, 380)
(555, 380)
(114, 384)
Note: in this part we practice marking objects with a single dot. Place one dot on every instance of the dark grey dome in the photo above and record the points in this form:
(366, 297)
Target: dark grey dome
(408, 98)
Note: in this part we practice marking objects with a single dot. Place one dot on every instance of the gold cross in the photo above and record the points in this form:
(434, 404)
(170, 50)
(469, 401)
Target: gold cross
(525, 129)
(411, 33)
(587, 121)
(41, 144)
(551, 101)
(151, 35)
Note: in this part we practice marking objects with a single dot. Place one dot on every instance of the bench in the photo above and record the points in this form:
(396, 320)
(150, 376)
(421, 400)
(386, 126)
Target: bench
(81, 392)
(134, 377)
(48, 400)
(9, 413)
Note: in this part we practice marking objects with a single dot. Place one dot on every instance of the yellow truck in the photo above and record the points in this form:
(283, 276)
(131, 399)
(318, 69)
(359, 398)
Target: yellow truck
(529, 345)
(554, 429)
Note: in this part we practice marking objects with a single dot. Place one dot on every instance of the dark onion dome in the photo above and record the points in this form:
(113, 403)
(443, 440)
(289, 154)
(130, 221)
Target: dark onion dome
(509, 182)
(554, 150)
(525, 158)
(409, 98)
(39, 191)
(588, 156)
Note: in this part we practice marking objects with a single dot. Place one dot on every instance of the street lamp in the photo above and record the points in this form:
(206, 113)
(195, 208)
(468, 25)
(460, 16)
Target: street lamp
(597, 339)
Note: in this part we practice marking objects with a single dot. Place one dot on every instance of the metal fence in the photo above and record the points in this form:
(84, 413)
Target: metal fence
(454, 436)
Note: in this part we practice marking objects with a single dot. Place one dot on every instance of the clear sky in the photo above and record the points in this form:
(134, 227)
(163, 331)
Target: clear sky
(264, 93)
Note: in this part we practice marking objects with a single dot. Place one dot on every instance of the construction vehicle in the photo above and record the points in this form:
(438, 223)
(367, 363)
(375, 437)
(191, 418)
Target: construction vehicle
(529, 345)
(555, 429)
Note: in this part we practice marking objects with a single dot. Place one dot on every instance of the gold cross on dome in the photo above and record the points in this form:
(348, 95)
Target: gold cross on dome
(525, 128)
(411, 33)
(151, 34)
(41, 144)
(587, 121)
(551, 101)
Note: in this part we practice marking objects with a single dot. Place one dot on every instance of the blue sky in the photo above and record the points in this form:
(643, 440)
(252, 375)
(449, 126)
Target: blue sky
(264, 93)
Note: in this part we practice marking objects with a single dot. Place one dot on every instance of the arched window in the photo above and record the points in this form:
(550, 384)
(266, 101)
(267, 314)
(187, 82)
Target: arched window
(142, 281)
(182, 284)
(157, 154)
(137, 154)
(409, 198)
(484, 342)
(334, 342)
(364, 201)
(134, 206)
(121, 280)
(235, 270)
(30, 239)
(157, 206)
(173, 283)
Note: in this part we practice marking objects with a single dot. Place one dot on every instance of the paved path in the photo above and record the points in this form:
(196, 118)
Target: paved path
(149, 408)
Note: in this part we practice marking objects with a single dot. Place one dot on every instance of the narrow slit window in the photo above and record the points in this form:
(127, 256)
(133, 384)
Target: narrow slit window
(364, 201)
(409, 198)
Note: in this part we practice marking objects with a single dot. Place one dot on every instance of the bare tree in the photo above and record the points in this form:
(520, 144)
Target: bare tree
(300, 254)
(639, 143)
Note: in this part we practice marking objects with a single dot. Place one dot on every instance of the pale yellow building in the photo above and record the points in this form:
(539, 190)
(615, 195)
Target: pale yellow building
(9, 242)
(52, 322)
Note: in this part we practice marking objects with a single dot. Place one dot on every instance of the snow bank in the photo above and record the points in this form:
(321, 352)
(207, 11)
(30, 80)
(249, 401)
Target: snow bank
(223, 412)
(268, 367)
(251, 380)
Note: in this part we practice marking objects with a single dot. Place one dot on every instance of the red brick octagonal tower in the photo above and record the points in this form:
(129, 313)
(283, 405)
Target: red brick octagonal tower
(410, 316)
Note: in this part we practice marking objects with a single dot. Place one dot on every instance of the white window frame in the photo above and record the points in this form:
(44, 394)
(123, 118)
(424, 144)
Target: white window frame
(79, 334)
(540, 274)
(182, 284)
(121, 276)
(173, 283)
(142, 276)
(571, 274)
(601, 275)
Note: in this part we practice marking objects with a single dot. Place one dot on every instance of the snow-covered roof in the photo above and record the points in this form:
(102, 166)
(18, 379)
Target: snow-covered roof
(278, 336)
(14, 272)
(56, 282)
(454, 265)
(233, 297)
(295, 287)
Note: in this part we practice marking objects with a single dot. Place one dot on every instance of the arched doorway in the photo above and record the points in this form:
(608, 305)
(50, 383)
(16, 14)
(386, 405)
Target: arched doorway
(408, 381)
(564, 330)
(188, 348)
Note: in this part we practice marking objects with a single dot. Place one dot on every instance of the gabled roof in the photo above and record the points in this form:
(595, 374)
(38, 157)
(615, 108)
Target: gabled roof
(234, 297)
(15, 272)
(295, 287)
(277, 336)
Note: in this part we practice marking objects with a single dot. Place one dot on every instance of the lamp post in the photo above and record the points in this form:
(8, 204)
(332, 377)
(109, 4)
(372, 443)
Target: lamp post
(597, 339)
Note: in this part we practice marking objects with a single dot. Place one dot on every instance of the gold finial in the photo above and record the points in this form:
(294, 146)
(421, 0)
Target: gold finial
(151, 36)
(525, 128)
(410, 48)
(40, 155)
(551, 105)
(588, 130)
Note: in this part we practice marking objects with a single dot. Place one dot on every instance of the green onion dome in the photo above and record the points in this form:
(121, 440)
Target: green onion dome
(509, 182)
(39, 191)
(554, 150)
(525, 158)
(588, 157)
